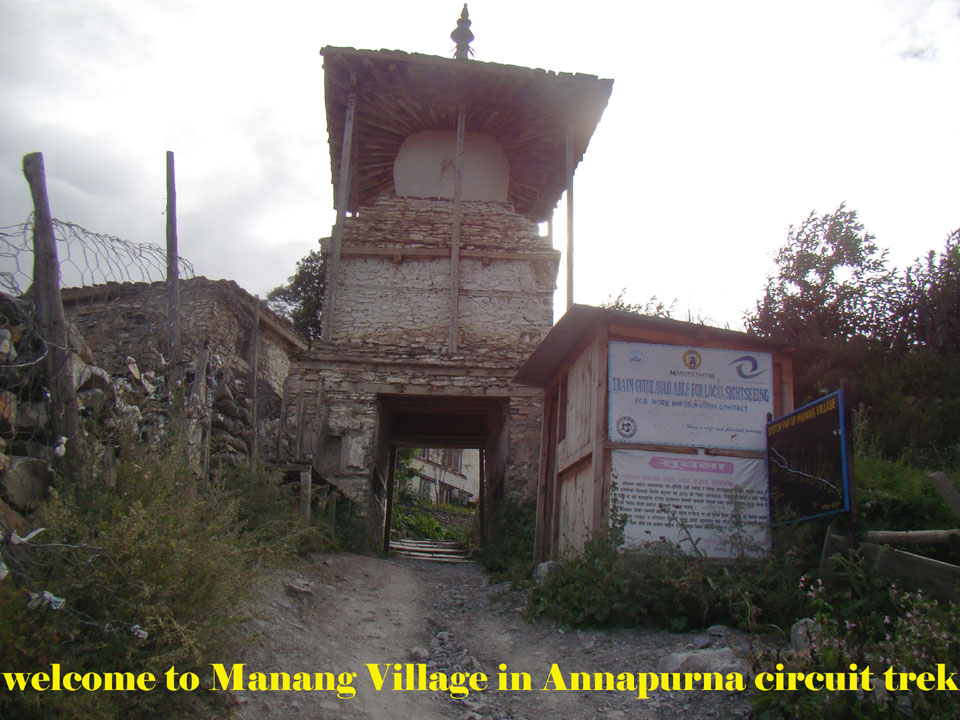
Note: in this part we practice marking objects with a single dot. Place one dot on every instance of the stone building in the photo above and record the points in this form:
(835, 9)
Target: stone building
(447, 475)
(439, 280)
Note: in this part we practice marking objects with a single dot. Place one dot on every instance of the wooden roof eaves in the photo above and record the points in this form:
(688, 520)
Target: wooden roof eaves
(574, 102)
(540, 368)
(469, 66)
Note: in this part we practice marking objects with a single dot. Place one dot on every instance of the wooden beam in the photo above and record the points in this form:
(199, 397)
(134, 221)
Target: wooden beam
(455, 242)
(911, 537)
(568, 164)
(342, 201)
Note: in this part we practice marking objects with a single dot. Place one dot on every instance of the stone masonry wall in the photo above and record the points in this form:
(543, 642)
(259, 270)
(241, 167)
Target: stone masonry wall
(349, 413)
(403, 301)
(129, 319)
(118, 321)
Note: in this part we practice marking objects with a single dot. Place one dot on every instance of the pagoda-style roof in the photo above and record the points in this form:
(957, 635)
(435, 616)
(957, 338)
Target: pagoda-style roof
(401, 94)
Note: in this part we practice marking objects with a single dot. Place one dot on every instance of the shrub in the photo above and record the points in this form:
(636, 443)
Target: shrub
(660, 585)
(870, 624)
(153, 571)
(508, 552)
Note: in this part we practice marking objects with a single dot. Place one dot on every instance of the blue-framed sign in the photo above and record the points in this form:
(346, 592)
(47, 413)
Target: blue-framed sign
(808, 462)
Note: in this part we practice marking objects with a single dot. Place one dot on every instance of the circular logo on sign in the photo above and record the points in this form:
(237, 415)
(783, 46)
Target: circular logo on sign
(626, 426)
(691, 359)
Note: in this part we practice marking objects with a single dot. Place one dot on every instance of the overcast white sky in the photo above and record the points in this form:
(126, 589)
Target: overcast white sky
(729, 121)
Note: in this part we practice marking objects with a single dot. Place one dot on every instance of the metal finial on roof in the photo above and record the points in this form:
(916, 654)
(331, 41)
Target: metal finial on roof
(462, 36)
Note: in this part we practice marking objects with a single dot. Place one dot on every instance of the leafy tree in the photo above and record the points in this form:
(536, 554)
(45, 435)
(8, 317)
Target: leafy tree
(928, 308)
(832, 283)
(301, 299)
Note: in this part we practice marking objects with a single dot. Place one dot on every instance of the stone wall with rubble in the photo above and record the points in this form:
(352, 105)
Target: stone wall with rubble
(507, 278)
(127, 321)
(118, 320)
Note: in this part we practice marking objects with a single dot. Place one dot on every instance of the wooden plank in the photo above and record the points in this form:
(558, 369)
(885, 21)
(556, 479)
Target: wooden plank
(938, 579)
(455, 241)
(651, 448)
(440, 253)
(911, 537)
(941, 580)
(343, 190)
(947, 491)
(543, 487)
(600, 507)
(720, 452)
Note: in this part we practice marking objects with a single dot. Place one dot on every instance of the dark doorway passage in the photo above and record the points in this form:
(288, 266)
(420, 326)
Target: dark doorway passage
(448, 424)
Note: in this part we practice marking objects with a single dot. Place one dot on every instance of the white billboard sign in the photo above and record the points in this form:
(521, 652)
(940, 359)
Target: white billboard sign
(694, 397)
(718, 504)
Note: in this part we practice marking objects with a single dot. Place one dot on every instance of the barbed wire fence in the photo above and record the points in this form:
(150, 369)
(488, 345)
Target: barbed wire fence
(86, 258)
(42, 365)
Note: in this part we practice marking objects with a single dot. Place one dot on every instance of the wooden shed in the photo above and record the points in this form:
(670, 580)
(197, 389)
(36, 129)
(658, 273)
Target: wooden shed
(670, 414)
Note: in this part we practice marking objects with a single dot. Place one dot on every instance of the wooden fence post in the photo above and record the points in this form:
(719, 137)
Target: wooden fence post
(65, 416)
(255, 441)
(173, 268)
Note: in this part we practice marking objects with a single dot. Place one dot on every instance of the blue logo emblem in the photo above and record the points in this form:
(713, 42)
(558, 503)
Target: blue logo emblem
(747, 367)
(636, 356)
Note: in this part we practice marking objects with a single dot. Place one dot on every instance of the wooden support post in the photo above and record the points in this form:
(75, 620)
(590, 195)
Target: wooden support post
(282, 427)
(298, 445)
(342, 201)
(568, 163)
(306, 493)
(455, 241)
(254, 397)
(318, 429)
(65, 415)
(173, 267)
(388, 511)
(482, 501)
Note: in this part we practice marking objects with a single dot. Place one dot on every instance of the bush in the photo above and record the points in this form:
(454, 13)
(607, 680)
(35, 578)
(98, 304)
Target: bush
(153, 571)
(870, 624)
(659, 585)
(508, 552)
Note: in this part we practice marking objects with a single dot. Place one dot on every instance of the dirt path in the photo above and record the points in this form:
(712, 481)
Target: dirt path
(338, 613)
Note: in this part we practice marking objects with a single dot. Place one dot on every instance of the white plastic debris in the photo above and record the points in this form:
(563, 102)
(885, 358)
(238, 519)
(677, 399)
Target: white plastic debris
(45, 599)
(61, 448)
(3, 570)
(17, 540)
(138, 632)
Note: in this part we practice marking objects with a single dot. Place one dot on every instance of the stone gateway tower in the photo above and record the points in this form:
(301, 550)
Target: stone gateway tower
(439, 283)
